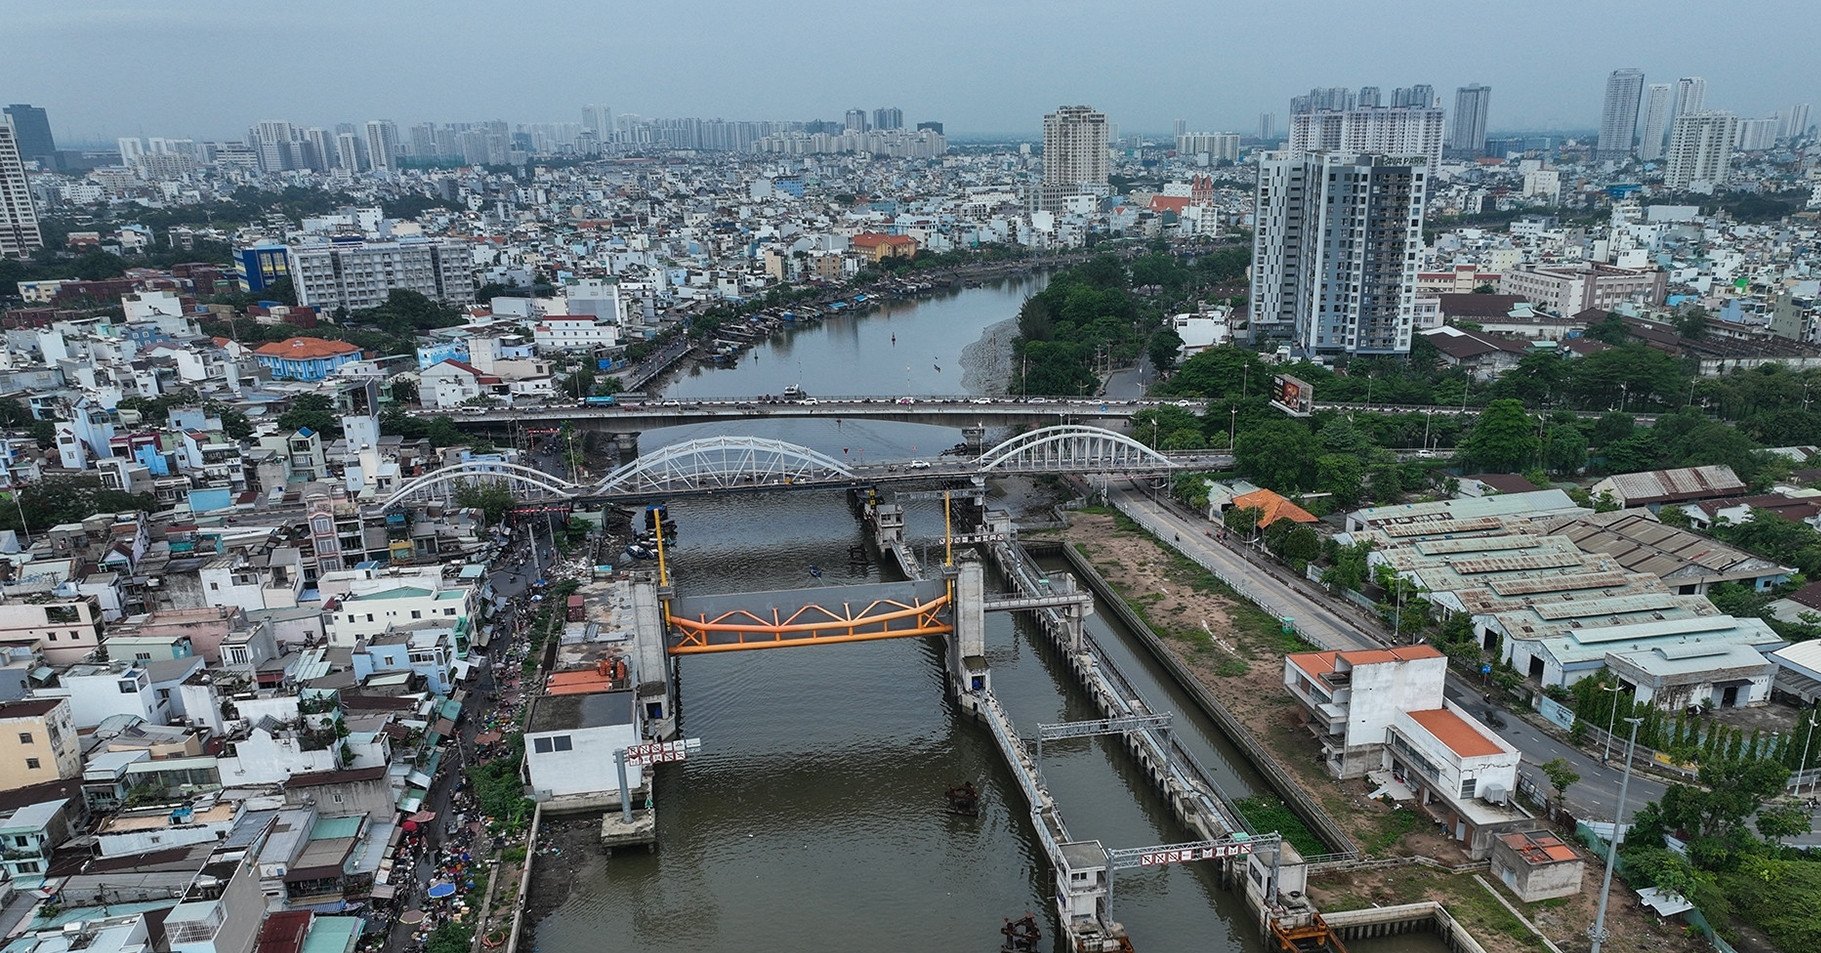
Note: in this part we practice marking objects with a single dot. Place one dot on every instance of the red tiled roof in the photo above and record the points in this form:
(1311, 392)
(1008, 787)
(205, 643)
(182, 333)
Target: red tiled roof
(1272, 507)
(1318, 664)
(1170, 203)
(1454, 731)
(304, 349)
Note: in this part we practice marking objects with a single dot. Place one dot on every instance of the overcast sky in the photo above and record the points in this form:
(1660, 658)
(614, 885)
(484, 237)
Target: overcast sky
(211, 68)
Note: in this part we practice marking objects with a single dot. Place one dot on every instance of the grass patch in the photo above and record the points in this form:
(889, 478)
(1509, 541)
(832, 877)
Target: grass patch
(1393, 827)
(1232, 667)
(1267, 813)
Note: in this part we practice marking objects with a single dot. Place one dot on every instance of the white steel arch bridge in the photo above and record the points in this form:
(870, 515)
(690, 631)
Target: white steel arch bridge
(738, 463)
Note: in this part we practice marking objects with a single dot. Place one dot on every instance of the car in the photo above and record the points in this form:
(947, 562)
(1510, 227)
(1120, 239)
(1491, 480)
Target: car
(745, 406)
(671, 403)
(907, 400)
(1184, 404)
(981, 400)
(809, 401)
(474, 410)
(1039, 400)
(919, 464)
(1493, 719)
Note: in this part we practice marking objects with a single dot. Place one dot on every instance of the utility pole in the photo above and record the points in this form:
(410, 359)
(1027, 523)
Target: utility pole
(1611, 720)
(1598, 933)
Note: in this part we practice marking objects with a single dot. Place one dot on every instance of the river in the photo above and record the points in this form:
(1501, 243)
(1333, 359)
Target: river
(814, 817)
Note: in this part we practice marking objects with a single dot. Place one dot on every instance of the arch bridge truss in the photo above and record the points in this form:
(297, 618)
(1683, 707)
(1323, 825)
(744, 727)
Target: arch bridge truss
(1071, 448)
(441, 483)
(821, 616)
(723, 463)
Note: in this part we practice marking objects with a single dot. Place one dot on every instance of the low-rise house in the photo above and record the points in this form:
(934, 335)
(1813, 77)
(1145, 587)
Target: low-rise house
(1654, 488)
(1350, 698)
(1463, 774)
(29, 834)
(570, 741)
(38, 743)
(1536, 865)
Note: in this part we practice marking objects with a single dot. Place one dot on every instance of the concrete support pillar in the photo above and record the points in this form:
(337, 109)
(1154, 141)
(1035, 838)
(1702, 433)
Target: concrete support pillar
(627, 445)
(974, 438)
(967, 647)
(654, 692)
(888, 524)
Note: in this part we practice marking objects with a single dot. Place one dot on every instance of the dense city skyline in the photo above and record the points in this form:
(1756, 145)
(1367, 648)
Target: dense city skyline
(1216, 69)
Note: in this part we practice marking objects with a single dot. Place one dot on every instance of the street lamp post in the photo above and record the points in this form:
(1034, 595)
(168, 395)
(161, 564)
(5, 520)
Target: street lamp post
(1803, 764)
(1598, 933)
(1611, 719)
(1232, 425)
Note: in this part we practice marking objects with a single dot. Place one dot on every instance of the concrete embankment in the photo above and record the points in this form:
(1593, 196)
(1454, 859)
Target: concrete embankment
(1282, 784)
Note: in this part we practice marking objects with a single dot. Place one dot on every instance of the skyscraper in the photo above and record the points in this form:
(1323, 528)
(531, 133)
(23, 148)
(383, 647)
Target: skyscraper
(598, 120)
(888, 117)
(1619, 115)
(1313, 279)
(855, 120)
(347, 151)
(1796, 127)
(1700, 149)
(1267, 126)
(382, 144)
(1691, 96)
(32, 128)
(1657, 105)
(1422, 96)
(1368, 97)
(1074, 153)
(1402, 131)
(19, 235)
(1468, 137)
(130, 149)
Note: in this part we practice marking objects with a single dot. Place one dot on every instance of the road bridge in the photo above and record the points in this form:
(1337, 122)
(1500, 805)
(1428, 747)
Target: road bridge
(742, 464)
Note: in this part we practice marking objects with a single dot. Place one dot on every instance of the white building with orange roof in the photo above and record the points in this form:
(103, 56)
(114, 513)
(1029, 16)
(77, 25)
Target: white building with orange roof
(1353, 697)
(1462, 774)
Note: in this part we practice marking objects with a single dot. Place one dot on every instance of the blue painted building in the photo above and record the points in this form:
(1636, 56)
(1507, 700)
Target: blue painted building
(431, 355)
(305, 358)
(260, 266)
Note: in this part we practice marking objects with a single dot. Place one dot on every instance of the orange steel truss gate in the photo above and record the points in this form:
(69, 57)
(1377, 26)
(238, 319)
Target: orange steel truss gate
(744, 621)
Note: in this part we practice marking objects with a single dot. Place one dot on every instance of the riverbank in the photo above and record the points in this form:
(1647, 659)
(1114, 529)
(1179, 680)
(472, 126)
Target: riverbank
(756, 325)
(1236, 650)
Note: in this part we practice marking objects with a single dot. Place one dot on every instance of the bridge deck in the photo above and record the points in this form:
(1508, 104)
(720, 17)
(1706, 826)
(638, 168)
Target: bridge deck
(745, 621)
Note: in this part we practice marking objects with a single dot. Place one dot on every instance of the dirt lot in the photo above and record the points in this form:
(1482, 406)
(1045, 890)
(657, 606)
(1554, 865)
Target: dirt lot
(1237, 651)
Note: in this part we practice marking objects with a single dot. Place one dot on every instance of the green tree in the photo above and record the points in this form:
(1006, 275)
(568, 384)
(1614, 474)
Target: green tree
(1341, 476)
(1165, 345)
(1503, 440)
(1565, 449)
(1777, 822)
(314, 411)
(68, 499)
(1153, 424)
(1292, 541)
(492, 498)
(1562, 776)
(1279, 454)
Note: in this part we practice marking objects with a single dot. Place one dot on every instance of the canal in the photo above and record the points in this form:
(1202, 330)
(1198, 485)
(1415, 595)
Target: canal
(815, 815)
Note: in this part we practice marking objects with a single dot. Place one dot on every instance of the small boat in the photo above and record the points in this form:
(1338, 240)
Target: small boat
(1021, 934)
(815, 571)
(793, 391)
(637, 551)
(964, 800)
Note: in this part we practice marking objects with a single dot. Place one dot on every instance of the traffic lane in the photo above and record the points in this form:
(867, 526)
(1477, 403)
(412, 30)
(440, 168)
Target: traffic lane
(1595, 795)
(1310, 615)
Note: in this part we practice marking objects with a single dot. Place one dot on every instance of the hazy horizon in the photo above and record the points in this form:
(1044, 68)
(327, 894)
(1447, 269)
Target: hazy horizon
(208, 69)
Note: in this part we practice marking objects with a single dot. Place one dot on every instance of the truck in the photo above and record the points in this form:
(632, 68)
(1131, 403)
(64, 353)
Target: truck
(603, 401)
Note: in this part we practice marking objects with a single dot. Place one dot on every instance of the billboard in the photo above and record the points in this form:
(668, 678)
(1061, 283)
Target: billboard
(1292, 395)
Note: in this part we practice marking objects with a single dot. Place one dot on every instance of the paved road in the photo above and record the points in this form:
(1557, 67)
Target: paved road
(1337, 624)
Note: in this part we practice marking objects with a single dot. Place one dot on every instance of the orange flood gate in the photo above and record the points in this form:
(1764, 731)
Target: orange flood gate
(743, 621)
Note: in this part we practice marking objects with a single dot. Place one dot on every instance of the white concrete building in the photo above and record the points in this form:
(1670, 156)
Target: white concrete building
(1074, 154)
(1315, 277)
(1700, 150)
(570, 744)
(573, 333)
(1619, 115)
(355, 273)
(19, 233)
(1353, 697)
(1463, 774)
(1407, 132)
(1657, 115)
